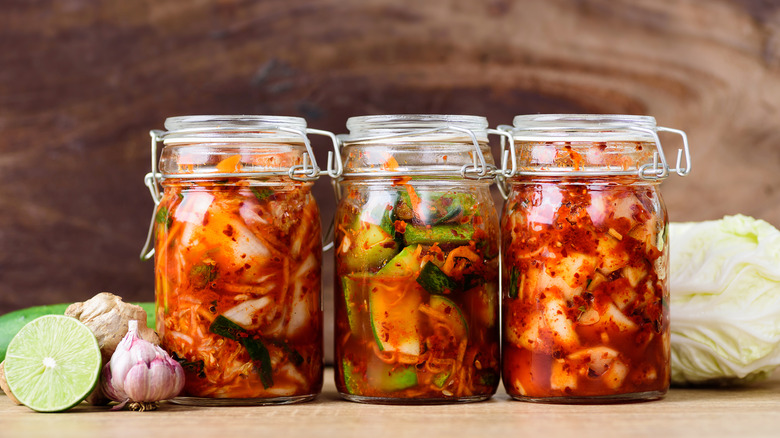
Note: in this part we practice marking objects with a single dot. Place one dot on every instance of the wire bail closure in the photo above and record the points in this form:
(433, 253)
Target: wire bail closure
(658, 169)
(478, 169)
(307, 171)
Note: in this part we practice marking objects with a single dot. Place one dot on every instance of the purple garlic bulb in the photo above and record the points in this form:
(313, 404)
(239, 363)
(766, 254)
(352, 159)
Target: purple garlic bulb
(140, 373)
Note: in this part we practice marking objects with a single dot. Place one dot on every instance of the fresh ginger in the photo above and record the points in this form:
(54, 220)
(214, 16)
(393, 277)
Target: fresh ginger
(107, 316)
(4, 385)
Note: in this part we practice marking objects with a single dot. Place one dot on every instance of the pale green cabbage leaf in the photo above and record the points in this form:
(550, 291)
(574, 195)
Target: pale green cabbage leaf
(725, 300)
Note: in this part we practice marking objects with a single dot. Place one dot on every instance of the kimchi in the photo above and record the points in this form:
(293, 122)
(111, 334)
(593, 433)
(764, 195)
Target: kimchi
(416, 292)
(237, 265)
(585, 300)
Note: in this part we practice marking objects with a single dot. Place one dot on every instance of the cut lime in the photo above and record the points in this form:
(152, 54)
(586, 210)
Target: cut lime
(53, 363)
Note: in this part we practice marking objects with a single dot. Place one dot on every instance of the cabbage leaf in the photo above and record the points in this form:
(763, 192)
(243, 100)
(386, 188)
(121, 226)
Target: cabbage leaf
(725, 300)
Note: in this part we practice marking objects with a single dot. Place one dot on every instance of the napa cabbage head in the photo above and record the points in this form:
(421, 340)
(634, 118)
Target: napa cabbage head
(725, 300)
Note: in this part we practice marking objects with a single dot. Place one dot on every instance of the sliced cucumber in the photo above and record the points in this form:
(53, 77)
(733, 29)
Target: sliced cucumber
(459, 234)
(372, 247)
(393, 308)
(354, 287)
(404, 263)
(434, 280)
(455, 318)
(438, 207)
(351, 379)
(387, 378)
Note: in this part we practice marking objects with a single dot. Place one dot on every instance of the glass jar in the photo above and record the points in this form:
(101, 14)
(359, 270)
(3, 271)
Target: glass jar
(416, 261)
(237, 254)
(585, 259)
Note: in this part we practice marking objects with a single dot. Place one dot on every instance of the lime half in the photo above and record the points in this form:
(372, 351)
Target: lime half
(53, 363)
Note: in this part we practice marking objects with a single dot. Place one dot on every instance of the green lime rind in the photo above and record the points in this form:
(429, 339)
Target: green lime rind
(53, 363)
(12, 322)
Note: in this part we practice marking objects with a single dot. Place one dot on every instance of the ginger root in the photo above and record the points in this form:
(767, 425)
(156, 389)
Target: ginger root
(4, 384)
(107, 316)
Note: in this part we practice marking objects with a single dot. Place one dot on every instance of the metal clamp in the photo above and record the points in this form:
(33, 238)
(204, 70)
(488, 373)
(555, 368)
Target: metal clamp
(301, 172)
(501, 175)
(658, 169)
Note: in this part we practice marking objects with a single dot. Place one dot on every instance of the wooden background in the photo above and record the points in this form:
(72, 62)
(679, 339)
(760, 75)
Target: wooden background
(83, 81)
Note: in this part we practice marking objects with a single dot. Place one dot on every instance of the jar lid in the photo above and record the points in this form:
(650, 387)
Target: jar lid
(583, 127)
(233, 129)
(568, 145)
(423, 127)
(418, 145)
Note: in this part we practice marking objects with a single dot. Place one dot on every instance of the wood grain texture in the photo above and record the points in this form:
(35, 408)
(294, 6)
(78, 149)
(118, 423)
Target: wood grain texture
(712, 413)
(82, 82)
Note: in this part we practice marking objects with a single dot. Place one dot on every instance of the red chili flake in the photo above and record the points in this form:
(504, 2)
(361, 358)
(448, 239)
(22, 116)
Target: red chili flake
(389, 207)
(400, 226)
(228, 231)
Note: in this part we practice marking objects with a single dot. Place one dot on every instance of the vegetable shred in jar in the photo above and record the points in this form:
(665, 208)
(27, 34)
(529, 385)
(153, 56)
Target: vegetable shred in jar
(237, 258)
(585, 260)
(416, 248)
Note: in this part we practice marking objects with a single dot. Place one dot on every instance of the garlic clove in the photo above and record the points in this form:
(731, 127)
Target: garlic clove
(138, 385)
(110, 389)
(141, 373)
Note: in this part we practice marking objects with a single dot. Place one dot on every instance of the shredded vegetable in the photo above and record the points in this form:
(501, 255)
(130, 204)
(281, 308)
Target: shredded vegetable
(238, 284)
(416, 307)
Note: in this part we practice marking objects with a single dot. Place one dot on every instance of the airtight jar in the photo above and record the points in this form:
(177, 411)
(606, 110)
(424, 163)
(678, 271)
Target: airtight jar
(585, 259)
(416, 261)
(237, 257)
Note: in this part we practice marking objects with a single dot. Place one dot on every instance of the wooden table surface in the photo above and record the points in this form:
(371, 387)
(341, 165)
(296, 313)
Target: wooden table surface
(745, 412)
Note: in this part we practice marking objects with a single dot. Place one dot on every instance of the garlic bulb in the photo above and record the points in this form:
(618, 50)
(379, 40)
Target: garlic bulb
(140, 373)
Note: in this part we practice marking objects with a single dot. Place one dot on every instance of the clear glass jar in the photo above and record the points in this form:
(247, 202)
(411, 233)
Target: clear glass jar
(585, 260)
(238, 253)
(416, 261)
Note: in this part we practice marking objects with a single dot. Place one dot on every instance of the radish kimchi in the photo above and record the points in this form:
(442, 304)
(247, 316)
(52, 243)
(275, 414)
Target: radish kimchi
(585, 297)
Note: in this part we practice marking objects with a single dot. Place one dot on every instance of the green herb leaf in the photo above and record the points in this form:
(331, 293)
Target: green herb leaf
(163, 217)
(261, 193)
(292, 354)
(203, 274)
(488, 378)
(257, 351)
(514, 288)
(194, 367)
